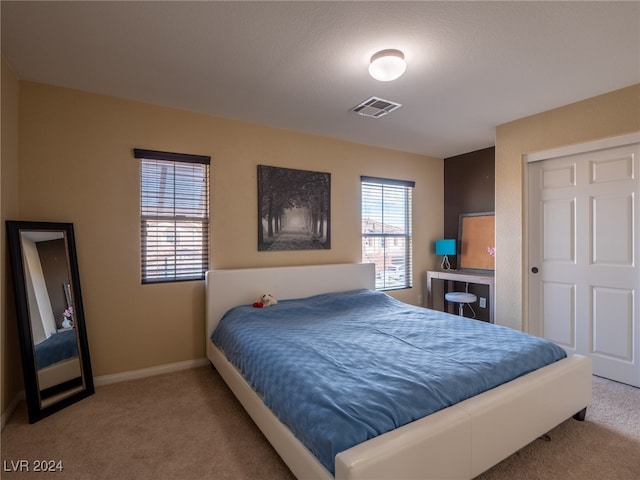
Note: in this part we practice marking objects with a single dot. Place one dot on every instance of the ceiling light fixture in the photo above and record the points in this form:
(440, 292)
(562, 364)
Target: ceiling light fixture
(387, 65)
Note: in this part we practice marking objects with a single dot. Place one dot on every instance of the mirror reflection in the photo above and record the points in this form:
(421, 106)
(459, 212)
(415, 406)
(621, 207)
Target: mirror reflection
(50, 301)
(56, 364)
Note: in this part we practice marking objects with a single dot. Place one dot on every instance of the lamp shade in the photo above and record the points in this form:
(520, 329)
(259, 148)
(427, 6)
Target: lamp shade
(446, 246)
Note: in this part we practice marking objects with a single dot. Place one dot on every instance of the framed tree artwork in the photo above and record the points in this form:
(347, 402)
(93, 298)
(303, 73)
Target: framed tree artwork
(293, 209)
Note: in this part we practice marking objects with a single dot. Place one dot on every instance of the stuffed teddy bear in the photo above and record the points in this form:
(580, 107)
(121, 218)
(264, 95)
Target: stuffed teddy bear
(268, 300)
(265, 300)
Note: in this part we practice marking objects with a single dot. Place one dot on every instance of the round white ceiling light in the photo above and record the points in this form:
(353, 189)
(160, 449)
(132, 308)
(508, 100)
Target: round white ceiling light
(387, 65)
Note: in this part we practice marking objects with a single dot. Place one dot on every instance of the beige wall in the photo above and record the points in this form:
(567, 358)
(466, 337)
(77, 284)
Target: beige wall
(10, 371)
(612, 114)
(76, 165)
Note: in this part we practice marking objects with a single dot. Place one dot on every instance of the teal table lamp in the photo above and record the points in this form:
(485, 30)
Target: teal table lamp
(446, 247)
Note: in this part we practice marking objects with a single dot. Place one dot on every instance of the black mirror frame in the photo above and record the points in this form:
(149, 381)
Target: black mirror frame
(35, 410)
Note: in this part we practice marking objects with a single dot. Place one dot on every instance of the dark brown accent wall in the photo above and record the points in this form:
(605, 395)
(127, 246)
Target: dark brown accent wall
(55, 267)
(469, 187)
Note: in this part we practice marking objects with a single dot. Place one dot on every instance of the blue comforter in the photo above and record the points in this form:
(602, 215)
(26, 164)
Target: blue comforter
(57, 347)
(342, 368)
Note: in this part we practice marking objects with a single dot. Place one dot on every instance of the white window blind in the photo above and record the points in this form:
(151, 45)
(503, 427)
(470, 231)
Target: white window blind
(386, 230)
(174, 216)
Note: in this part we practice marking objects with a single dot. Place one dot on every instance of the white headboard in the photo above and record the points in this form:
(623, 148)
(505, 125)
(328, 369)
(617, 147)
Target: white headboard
(227, 288)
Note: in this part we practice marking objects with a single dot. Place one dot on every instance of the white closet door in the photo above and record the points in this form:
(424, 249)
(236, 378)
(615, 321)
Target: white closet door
(583, 274)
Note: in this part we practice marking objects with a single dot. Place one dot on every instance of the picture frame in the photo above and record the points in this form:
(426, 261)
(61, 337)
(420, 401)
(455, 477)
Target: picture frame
(294, 209)
(476, 241)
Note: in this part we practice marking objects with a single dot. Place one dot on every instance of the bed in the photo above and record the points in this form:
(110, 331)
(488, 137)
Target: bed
(457, 442)
(57, 359)
(58, 347)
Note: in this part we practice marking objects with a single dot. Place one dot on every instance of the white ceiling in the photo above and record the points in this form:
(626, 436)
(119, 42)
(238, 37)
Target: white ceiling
(303, 65)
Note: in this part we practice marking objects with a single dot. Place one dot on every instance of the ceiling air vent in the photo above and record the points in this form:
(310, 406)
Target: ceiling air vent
(375, 107)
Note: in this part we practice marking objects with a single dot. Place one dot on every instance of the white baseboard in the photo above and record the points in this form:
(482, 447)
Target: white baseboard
(6, 415)
(148, 372)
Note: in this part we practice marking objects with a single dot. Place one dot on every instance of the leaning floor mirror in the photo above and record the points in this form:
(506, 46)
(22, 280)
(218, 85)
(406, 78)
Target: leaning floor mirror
(51, 326)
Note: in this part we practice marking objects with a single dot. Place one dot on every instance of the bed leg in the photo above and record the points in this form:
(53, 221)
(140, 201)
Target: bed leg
(581, 415)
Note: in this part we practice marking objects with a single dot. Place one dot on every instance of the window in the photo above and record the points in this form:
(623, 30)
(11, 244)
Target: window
(386, 230)
(174, 216)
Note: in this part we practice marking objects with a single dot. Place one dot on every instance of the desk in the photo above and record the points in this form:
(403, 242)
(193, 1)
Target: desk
(484, 278)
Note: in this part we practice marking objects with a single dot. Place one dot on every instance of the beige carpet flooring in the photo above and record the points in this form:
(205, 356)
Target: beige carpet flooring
(188, 426)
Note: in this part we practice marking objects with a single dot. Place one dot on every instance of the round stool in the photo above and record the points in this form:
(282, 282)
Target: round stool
(461, 298)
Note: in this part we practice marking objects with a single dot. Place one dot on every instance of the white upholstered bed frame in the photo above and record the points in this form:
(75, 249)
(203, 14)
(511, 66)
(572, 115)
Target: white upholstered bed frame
(459, 442)
(59, 372)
